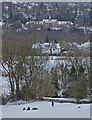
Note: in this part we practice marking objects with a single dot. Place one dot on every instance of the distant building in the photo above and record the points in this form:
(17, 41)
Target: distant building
(52, 24)
(48, 48)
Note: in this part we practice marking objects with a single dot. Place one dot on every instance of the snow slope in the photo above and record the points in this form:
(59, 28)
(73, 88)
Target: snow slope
(5, 86)
(45, 110)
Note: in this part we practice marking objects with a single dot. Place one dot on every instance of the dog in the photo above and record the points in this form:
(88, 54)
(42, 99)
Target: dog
(28, 108)
(24, 108)
(34, 108)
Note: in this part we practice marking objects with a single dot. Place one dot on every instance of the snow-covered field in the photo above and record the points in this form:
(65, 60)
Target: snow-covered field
(45, 110)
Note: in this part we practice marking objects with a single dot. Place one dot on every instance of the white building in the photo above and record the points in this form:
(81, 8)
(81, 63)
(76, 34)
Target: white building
(48, 48)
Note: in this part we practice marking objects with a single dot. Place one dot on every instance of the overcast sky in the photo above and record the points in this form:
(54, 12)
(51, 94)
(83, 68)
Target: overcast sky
(47, 0)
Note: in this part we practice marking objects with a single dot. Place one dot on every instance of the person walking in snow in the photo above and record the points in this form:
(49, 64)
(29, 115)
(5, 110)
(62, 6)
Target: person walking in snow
(52, 104)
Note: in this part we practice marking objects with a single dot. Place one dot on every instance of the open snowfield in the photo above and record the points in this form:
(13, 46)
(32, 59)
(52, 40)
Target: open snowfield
(45, 110)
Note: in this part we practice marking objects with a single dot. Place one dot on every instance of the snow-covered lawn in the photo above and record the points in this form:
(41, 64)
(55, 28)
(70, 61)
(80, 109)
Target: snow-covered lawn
(45, 110)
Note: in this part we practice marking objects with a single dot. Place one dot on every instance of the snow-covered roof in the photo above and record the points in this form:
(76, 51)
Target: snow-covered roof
(59, 28)
(83, 45)
(86, 44)
(52, 20)
(65, 22)
(58, 46)
(36, 46)
(27, 23)
(75, 44)
(46, 44)
(30, 7)
(46, 20)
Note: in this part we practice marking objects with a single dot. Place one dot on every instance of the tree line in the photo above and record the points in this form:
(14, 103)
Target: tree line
(30, 77)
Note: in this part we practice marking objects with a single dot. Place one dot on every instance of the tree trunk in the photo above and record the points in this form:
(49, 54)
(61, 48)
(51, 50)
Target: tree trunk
(17, 90)
(12, 89)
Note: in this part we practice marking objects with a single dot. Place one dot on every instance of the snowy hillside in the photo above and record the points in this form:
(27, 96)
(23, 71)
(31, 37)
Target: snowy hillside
(5, 86)
(45, 110)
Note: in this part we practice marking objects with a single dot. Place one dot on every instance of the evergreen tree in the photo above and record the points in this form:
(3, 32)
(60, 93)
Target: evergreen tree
(73, 69)
(72, 73)
(81, 69)
(55, 41)
(41, 5)
(46, 39)
(78, 89)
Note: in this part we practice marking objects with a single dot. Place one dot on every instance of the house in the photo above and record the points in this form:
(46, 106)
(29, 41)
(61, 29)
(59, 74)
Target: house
(50, 23)
(55, 48)
(48, 48)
